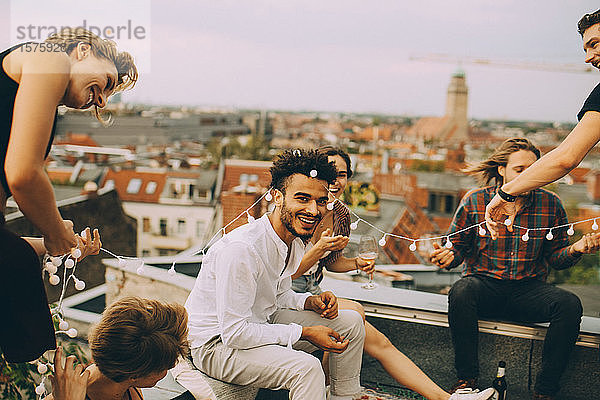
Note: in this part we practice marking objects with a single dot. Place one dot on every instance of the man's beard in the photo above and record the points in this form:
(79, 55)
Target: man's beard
(287, 219)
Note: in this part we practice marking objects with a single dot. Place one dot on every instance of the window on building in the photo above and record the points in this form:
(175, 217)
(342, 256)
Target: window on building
(181, 226)
(432, 204)
(151, 187)
(163, 252)
(146, 224)
(449, 204)
(163, 227)
(200, 227)
(441, 203)
(145, 253)
(191, 193)
(134, 185)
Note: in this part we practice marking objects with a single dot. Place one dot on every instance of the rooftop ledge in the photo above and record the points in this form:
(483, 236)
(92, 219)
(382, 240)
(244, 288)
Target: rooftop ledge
(432, 309)
(390, 303)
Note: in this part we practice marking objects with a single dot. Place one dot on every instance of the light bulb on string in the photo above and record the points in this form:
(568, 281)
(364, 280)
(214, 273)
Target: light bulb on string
(250, 217)
(79, 284)
(382, 240)
(549, 235)
(51, 268)
(413, 246)
(507, 222)
(56, 261)
(570, 231)
(76, 253)
(269, 196)
(313, 173)
(448, 244)
(482, 231)
(595, 225)
(354, 225)
(330, 206)
(69, 263)
(63, 325)
(54, 280)
(525, 237)
(72, 333)
(140, 270)
(172, 271)
(42, 368)
(40, 389)
(83, 234)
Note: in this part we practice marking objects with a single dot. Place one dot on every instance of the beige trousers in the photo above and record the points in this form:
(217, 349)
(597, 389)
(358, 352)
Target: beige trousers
(279, 367)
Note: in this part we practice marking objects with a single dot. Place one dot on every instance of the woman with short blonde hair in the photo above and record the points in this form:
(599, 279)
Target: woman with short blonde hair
(77, 69)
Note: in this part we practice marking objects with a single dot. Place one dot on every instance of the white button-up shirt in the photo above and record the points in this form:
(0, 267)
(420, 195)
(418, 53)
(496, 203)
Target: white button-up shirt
(244, 279)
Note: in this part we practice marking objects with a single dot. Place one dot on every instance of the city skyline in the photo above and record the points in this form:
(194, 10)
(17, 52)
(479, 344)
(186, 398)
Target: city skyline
(352, 56)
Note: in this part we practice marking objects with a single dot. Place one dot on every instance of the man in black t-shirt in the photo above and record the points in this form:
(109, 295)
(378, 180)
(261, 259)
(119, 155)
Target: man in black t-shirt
(589, 29)
(568, 155)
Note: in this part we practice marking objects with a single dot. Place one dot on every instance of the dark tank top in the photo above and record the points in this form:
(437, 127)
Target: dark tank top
(8, 92)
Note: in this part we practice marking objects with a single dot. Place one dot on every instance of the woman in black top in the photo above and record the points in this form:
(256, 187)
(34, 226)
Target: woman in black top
(77, 69)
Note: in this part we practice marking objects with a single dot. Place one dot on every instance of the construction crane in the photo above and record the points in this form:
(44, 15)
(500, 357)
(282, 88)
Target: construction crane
(535, 66)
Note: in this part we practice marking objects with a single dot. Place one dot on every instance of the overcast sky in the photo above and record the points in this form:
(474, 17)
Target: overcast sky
(341, 55)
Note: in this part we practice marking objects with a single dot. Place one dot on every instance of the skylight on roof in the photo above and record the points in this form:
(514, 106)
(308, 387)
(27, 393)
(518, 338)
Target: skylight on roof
(151, 187)
(134, 186)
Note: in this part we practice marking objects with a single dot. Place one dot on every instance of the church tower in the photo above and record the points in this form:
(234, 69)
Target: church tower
(456, 105)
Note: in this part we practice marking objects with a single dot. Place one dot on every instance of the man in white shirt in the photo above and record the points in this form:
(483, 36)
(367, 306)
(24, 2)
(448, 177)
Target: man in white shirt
(246, 324)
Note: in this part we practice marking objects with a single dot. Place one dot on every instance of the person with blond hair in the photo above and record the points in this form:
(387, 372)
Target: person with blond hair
(133, 346)
(506, 278)
(77, 69)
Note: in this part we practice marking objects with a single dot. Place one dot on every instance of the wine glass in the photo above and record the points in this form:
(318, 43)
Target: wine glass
(367, 250)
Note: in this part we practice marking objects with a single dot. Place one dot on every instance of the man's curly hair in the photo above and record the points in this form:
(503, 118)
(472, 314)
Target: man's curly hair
(300, 161)
(588, 20)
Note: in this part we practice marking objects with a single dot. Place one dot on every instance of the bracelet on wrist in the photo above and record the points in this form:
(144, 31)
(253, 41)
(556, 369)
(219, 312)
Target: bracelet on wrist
(505, 196)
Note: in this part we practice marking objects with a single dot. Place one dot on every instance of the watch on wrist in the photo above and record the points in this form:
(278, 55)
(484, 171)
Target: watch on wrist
(506, 197)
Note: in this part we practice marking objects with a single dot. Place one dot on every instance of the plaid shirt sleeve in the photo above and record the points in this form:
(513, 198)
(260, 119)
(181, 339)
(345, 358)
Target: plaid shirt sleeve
(556, 251)
(462, 243)
(341, 226)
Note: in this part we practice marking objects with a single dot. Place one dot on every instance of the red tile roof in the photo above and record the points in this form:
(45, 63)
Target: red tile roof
(122, 178)
(235, 168)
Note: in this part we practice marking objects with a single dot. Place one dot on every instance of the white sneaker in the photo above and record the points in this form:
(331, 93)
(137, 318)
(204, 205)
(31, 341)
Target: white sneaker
(470, 394)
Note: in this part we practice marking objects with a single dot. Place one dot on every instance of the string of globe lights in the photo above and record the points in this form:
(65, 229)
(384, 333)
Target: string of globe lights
(51, 264)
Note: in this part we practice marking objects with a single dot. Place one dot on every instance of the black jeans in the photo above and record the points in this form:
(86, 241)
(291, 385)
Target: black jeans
(477, 296)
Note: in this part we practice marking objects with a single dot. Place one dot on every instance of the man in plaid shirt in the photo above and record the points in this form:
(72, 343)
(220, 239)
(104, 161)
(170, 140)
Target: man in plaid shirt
(506, 278)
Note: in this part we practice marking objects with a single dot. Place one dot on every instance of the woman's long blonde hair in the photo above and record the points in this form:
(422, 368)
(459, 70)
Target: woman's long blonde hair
(487, 171)
(127, 73)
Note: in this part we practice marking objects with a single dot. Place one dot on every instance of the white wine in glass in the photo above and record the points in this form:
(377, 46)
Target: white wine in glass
(368, 250)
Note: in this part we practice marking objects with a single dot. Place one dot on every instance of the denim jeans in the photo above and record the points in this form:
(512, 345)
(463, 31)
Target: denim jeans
(530, 300)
